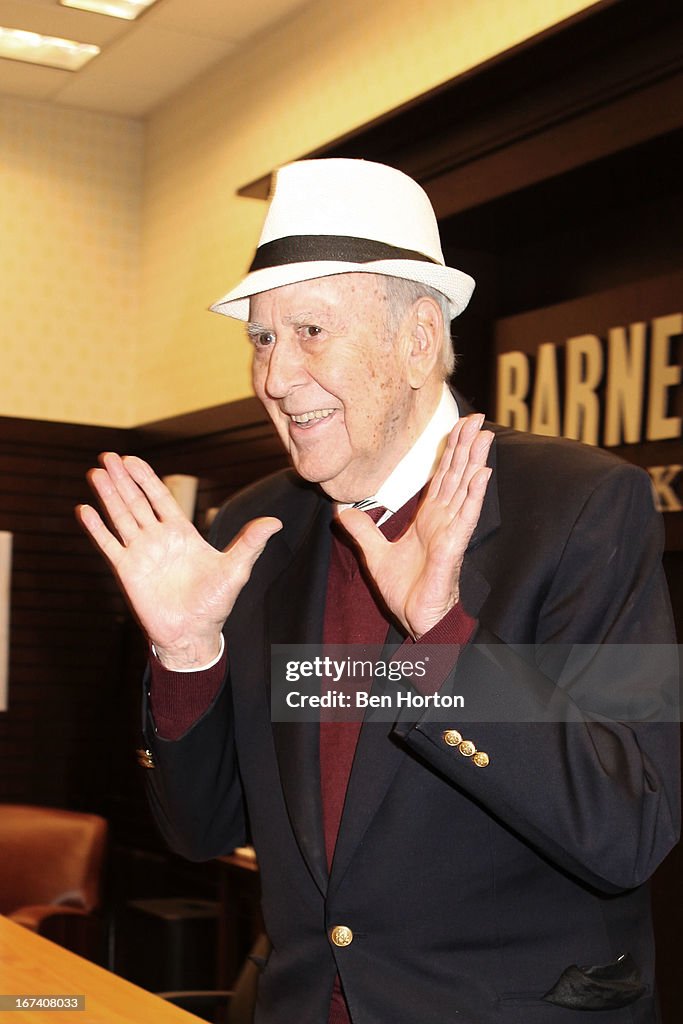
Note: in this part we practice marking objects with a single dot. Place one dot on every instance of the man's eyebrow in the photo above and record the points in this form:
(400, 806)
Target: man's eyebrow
(252, 328)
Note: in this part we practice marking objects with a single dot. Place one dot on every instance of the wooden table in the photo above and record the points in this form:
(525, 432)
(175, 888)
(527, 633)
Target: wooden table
(31, 965)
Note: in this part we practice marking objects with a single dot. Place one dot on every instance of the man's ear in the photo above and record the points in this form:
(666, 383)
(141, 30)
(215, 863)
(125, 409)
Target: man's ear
(425, 331)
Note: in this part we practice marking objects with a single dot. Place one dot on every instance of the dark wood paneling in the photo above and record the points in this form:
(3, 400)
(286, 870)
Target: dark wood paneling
(76, 654)
(66, 617)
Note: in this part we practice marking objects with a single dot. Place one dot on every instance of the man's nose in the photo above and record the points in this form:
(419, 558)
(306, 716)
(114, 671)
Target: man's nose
(285, 369)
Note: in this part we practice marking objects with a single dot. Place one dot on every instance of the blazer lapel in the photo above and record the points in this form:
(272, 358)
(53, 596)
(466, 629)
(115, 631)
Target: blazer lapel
(295, 606)
(377, 759)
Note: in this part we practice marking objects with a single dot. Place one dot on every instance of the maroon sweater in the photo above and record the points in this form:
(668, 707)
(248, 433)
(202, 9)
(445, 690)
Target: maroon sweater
(354, 613)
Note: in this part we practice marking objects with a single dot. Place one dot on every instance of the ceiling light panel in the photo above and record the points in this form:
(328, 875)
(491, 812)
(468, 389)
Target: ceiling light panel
(128, 9)
(50, 51)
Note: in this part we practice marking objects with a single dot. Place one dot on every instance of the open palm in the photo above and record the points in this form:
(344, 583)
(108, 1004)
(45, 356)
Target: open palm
(180, 588)
(418, 574)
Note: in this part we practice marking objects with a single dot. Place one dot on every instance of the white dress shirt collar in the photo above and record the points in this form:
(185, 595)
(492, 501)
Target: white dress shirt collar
(419, 464)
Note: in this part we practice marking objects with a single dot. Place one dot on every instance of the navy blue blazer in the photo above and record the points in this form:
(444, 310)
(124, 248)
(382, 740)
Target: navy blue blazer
(514, 891)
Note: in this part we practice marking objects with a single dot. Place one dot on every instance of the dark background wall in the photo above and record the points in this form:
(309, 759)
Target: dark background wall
(66, 622)
(69, 736)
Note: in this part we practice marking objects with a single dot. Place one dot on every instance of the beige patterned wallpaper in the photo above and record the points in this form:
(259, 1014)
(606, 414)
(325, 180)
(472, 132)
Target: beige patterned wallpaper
(106, 276)
(70, 194)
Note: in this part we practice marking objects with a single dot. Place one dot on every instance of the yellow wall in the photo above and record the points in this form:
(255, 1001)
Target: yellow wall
(331, 68)
(70, 195)
(84, 354)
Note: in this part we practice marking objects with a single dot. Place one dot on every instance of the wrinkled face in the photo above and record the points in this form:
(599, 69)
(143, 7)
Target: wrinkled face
(332, 381)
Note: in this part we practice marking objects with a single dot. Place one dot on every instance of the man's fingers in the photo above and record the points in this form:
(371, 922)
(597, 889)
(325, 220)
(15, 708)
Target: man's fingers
(92, 523)
(472, 458)
(154, 489)
(471, 505)
(118, 513)
(131, 495)
(463, 440)
(446, 459)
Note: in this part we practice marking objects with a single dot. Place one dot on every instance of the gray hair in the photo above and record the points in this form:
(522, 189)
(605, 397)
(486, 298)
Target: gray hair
(401, 295)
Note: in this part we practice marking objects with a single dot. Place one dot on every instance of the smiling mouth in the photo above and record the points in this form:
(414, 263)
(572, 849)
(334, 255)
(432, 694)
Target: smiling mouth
(302, 419)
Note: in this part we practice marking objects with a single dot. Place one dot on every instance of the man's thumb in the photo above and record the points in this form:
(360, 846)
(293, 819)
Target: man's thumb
(363, 531)
(252, 539)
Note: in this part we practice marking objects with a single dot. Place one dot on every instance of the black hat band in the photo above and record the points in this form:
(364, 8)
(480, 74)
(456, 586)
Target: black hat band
(334, 248)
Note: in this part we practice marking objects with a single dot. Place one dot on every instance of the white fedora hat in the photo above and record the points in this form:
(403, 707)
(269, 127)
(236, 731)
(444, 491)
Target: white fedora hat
(341, 216)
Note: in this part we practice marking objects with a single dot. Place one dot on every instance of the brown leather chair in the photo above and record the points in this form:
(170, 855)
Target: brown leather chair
(51, 867)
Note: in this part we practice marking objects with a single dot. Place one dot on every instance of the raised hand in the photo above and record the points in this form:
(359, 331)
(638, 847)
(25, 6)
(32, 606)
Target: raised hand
(180, 588)
(418, 575)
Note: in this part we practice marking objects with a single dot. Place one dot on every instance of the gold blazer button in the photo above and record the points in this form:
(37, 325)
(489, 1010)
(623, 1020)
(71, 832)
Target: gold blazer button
(481, 759)
(452, 737)
(467, 748)
(145, 758)
(341, 935)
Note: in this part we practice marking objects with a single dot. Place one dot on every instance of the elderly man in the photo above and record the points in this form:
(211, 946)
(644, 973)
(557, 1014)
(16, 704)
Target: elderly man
(430, 867)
